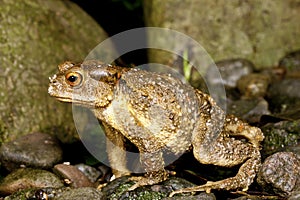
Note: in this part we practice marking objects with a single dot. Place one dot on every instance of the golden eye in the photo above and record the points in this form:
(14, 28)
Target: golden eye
(73, 78)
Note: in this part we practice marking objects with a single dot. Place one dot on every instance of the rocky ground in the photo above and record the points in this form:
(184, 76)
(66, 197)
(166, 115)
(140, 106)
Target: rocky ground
(37, 166)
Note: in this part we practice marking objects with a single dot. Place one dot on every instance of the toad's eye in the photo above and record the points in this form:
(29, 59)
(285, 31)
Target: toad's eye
(74, 78)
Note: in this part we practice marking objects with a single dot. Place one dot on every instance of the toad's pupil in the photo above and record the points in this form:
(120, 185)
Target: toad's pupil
(72, 78)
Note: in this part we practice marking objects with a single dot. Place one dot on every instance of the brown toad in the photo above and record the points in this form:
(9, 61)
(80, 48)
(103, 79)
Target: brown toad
(157, 112)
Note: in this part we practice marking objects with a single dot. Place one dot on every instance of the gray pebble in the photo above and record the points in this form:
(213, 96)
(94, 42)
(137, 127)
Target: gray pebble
(291, 62)
(231, 71)
(280, 173)
(73, 176)
(90, 172)
(118, 189)
(253, 85)
(36, 150)
(281, 136)
(86, 193)
(249, 110)
(284, 95)
(26, 178)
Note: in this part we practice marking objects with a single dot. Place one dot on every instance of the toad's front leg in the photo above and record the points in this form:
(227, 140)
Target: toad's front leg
(153, 164)
(115, 144)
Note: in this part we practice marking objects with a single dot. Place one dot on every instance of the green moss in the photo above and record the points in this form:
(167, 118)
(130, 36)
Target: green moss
(234, 29)
(22, 195)
(35, 36)
(280, 135)
(150, 195)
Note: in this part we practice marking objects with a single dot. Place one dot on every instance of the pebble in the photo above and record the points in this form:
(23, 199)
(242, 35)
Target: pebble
(281, 136)
(37, 150)
(250, 197)
(26, 178)
(118, 189)
(72, 176)
(249, 110)
(284, 95)
(64, 193)
(201, 196)
(274, 73)
(90, 172)
(231, 71)
(294, 148)
(253, 85)
(85, 193)
(280, 174)
(291, 62)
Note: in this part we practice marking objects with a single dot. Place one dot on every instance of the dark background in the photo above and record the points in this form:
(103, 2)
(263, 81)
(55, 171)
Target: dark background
(116, 16)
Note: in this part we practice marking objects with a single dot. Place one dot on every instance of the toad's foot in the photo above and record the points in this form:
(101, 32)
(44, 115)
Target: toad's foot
(150, 179)
(140, 181)
(208, 187)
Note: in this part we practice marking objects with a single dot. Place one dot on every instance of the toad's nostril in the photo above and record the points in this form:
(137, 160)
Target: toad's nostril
(52, 79)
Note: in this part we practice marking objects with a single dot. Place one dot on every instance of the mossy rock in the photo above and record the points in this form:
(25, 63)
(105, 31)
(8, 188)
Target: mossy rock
(260, 31)
(280, 136)
(35, 36)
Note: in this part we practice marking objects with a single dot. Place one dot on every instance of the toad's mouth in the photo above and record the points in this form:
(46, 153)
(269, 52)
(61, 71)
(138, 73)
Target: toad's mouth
(75, 101)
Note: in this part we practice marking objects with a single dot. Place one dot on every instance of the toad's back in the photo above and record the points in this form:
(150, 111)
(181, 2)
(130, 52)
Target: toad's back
(156, 108)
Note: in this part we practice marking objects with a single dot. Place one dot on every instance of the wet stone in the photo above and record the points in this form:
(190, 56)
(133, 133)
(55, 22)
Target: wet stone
(201, 196)
(284, 95)
(85, 193)
(118, 189)
(253, 85)
(249, 110)
(280, 136)
(36, 150)
(64, 193)
(90, 172)
(23, 194)
(250, 197)
(294, 148)
(280, 174)
(289, 115)
(274, 73)
(231, 71)
(26, 178)
(72, 176)
(37, 194)
(291, 62)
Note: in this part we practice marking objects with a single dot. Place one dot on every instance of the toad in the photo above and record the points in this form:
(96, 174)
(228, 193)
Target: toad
(158, 112)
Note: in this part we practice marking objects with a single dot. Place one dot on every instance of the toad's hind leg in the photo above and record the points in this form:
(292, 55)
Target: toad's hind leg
(225, 144)
(236, 127)
(245, 153)
(242, 180)
(227, 151)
